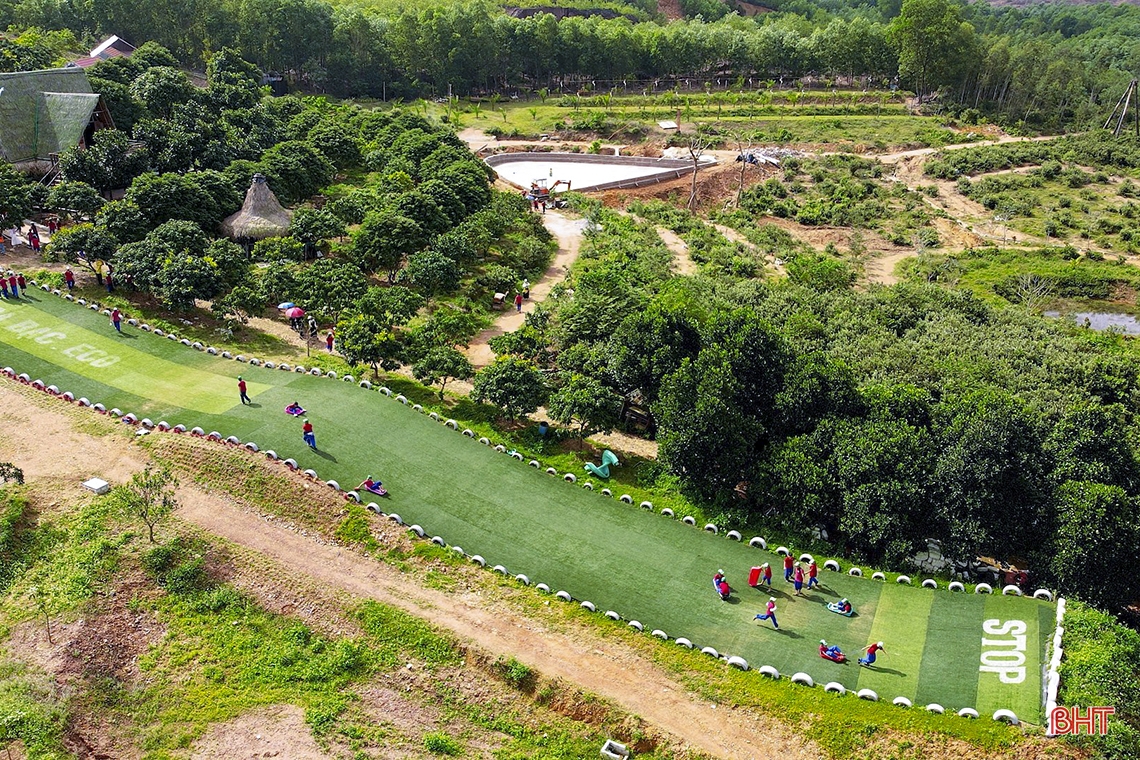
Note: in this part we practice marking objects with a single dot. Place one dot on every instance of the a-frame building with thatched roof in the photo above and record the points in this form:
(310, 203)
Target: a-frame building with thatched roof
(45, 112)
(261, 215)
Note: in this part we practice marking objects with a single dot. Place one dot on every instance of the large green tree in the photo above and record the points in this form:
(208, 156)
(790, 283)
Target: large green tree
(514, 385)
(585, 403)
(442, 364)
(384, 240)
(935, 45)
(1098, 529)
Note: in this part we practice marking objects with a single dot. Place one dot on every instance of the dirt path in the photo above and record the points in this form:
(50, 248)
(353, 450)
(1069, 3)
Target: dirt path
(890, 158)
(976, 221)
(683, 263)
(598, 666)
(568, 232)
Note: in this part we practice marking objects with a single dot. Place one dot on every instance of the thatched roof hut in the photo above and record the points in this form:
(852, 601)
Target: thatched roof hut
(261, 216)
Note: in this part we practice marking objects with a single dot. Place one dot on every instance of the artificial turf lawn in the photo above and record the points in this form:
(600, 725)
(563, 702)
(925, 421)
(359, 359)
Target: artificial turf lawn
(620, 557)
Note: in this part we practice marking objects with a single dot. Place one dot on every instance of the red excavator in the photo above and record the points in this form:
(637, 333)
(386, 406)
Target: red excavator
(541, 192)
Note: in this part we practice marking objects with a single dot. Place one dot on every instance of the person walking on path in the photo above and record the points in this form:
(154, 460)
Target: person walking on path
(869, 658)
(798, 579)
(69, 278)
(770, 614)
(788, 564)
(813, 571)
(34, 239)
(117, 320)
(518, 302)
(307, 434)
(241, 390)
(526, 289)
(329, 341)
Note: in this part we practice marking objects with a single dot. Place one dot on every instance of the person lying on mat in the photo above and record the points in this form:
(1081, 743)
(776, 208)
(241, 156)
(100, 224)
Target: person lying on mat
(294, 409)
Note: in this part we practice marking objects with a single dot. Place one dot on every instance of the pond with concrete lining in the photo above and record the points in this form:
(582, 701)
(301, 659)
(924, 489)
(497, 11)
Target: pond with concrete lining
(585, 172)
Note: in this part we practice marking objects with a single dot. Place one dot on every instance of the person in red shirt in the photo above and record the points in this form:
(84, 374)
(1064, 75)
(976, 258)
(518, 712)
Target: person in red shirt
(799, 580)
(869, 658)
(329, 341)
(518, 302)
(69, 278)
(770, 614)
(22, 282)
(241, 390)
(13, 286)
(117, 320)
(307, 434)
(372, 485)
(788, 563)
(813, 571)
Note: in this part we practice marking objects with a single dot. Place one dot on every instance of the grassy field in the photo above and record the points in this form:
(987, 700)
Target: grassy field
(820, 119)
(620, 557)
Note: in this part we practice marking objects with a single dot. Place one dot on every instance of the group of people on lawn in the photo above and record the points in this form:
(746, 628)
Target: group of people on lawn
(795, 573)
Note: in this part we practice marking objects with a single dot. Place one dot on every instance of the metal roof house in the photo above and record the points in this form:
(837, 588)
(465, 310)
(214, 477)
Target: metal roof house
(112, 47)
(45, 112)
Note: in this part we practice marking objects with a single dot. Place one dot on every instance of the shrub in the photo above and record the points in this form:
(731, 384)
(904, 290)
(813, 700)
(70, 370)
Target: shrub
(1102, 660)
(187, 578)
(171, 567)
(516, 674)
(441, 744)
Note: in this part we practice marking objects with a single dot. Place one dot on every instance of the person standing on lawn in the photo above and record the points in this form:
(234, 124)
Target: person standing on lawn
(22, 282)
(788, 564)
(69, 278)
(766, 575)
(241, 390)
(307, 434)
(117, 320)
(13, 285)
(798, 579)
(813, 571)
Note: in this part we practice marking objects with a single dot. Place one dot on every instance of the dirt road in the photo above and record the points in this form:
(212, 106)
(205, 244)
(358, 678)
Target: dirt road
(596, 666)
(568, 232)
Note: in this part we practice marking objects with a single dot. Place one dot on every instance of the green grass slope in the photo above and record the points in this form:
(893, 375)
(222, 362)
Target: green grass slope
(618, 556)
